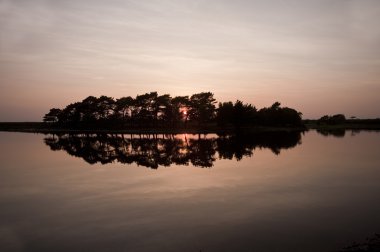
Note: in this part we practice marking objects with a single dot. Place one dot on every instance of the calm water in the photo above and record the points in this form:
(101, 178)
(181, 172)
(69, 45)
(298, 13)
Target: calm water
(293, 192)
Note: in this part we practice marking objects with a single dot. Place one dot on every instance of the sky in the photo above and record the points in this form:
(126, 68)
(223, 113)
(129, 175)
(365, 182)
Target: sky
(317, 56)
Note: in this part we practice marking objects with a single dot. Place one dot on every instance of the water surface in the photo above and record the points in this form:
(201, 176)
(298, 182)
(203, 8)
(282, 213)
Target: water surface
(297, 192)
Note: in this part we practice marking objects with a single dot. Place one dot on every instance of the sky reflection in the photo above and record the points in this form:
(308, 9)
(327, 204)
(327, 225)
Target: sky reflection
(319, 196)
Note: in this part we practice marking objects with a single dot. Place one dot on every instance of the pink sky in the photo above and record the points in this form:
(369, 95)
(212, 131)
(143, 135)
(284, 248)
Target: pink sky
(319, 57)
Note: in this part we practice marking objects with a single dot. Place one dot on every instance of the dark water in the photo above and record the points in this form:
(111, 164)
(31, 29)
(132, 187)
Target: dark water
(272, 192)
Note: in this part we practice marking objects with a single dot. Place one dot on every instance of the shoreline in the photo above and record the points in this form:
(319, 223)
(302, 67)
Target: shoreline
(243, 130)
(38, 127)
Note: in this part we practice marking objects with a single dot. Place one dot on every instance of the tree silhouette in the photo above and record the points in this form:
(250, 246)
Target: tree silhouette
(164, 108)
(180, 104)
(123, 109)
(243, 113)
(152, 110)
(202, 107)
(52, 116)
(225, 113)
(332, 120)
(237, 114)
(278, 116)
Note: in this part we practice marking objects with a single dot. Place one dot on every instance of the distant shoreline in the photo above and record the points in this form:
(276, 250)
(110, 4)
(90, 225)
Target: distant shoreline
(39, 127)
(350, 124)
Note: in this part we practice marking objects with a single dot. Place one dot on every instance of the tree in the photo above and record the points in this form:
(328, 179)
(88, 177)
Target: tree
(338, 118)
(237, 114)
(180, 108)
(335, 119)
(123, 108)
(243, 113)
(202, 107)
(275, 106)
(145, 108)
(105, 107)
(70, 115)
(277, 116)
(163, 108)
(88, 109)
(52, 116)
(225, 113)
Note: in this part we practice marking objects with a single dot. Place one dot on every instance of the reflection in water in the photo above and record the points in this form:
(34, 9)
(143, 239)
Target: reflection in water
(321, 196)
(163, 150)
(371, 244)
(332, 132)
(341, 133)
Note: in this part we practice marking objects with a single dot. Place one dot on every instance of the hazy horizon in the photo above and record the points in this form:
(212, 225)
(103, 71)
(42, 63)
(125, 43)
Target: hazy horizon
(319, 57)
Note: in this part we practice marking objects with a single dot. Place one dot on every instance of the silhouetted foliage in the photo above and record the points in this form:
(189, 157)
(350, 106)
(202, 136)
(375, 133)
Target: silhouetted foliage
(151, 110)
(202, 107)
(243, 113)
(180, 108)
(153, 151)
(52, 116)
(237, 114)
(123, 109)
(332, 120)
(225, 113)
(277, 116)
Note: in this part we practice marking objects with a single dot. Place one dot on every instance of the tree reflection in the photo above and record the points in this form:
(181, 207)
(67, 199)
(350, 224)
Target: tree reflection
(340, 133)
(164, 150)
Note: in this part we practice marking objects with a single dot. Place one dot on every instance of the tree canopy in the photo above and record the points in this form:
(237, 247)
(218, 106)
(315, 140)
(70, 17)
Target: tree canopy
(151, 110)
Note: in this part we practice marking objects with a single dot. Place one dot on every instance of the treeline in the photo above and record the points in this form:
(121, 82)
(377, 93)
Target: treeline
(340, 119)
(240, 114)
(151, 110)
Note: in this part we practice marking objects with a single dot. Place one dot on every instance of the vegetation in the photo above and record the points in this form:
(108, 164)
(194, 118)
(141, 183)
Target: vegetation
(152, 113)
(340, 123)
(151, 110)
(332, 120)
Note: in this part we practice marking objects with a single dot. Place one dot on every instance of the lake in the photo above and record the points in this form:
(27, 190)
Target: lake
(312, 191)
